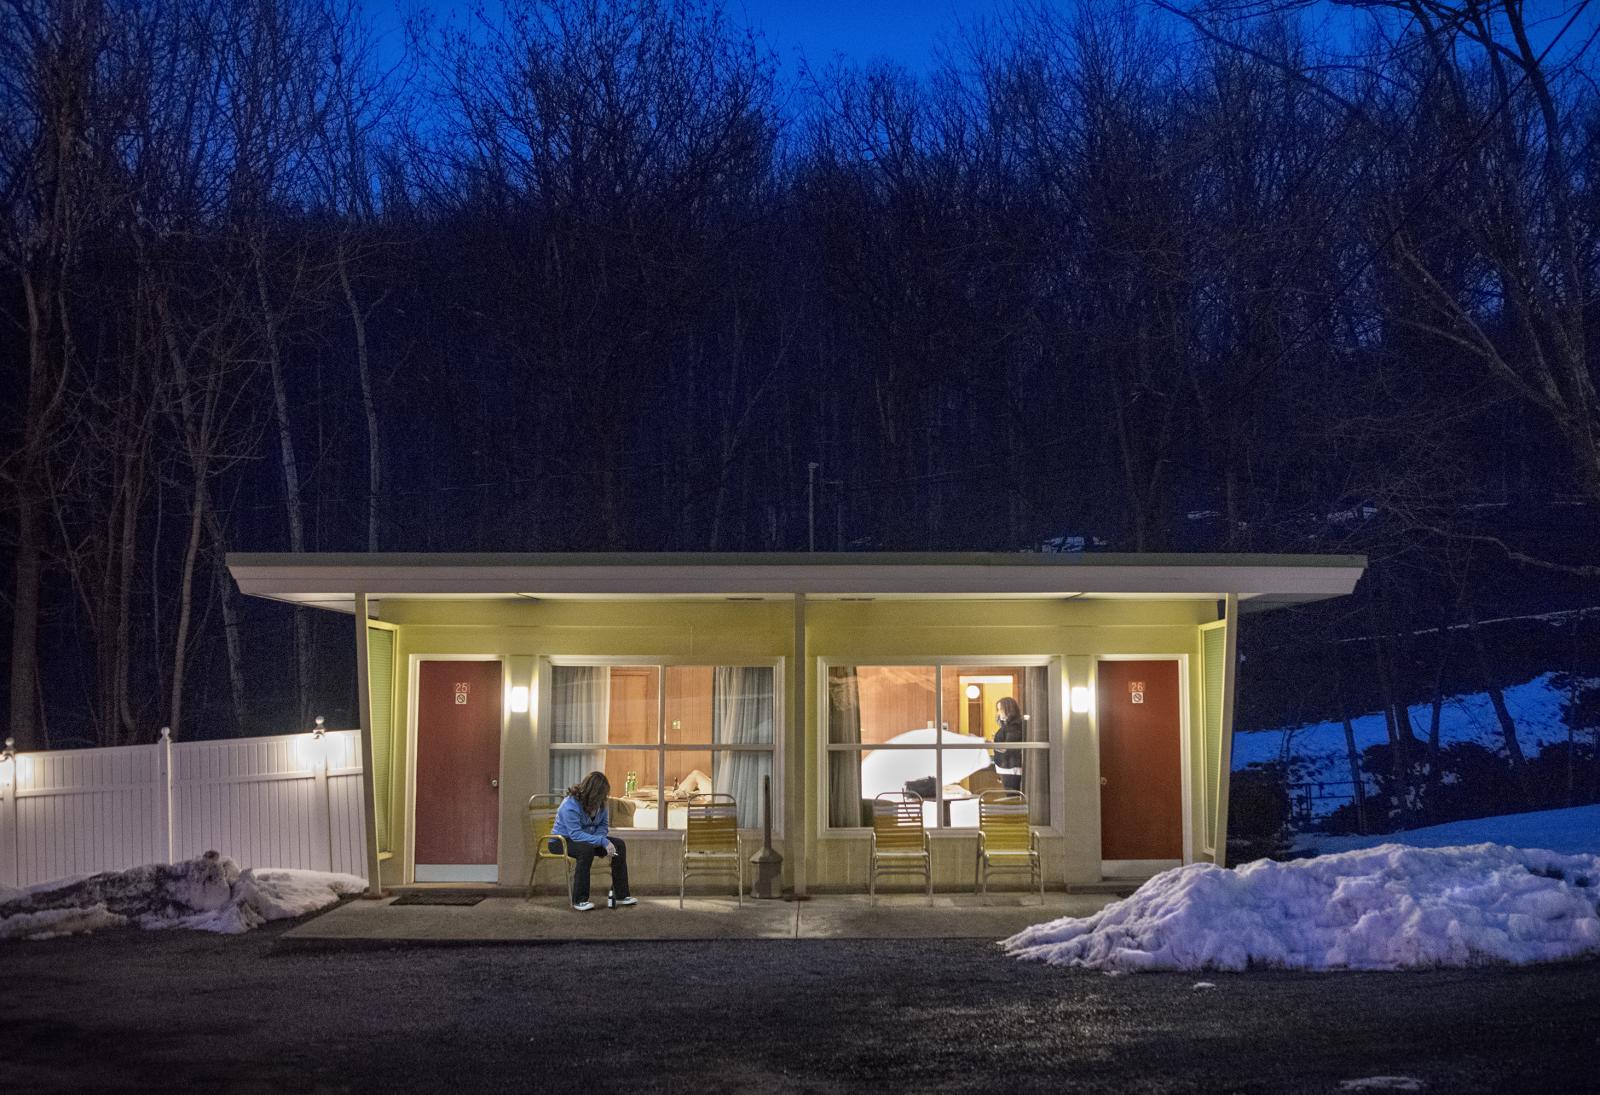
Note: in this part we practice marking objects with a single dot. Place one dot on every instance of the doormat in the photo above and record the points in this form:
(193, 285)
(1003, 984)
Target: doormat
(437, 899)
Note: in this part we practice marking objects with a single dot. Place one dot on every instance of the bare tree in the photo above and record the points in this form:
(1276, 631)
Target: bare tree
(275, 77)
(362, 101)
(59, 101)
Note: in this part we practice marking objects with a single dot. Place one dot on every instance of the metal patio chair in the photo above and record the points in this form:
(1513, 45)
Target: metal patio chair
(538, 831)
(711, 841)
(1006, 841)
(899, 840)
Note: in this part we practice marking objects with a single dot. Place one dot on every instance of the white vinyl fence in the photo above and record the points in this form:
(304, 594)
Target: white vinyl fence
(291, 801)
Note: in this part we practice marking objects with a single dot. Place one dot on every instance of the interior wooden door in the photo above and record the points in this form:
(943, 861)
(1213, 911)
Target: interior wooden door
(458, 771)
(1141, 764)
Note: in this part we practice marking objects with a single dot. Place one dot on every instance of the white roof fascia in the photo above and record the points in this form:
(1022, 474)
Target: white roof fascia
(1271, 582)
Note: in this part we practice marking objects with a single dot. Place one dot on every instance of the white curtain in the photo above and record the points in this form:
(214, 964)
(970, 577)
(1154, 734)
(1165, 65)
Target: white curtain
(844, 766)
(741, 714)
(578, 713)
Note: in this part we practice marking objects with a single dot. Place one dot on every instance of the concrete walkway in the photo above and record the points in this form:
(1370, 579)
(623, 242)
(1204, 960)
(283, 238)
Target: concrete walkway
(549, 920)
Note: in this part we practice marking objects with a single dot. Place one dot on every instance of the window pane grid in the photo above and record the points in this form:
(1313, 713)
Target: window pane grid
(891, 746)
(865, 704)
(684, 730)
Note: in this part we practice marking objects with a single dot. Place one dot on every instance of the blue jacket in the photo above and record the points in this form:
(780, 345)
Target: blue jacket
(574, 824)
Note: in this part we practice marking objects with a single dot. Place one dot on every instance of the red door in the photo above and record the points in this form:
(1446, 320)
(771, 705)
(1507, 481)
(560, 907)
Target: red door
(458, 769)
(1141, 768)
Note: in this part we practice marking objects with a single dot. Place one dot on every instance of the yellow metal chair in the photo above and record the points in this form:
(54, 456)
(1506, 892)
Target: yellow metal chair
(1006, 842)
(899, 840)
(538, 831)
(711, 841)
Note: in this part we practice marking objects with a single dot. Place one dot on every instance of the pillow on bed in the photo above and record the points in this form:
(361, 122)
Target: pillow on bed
(695, 783)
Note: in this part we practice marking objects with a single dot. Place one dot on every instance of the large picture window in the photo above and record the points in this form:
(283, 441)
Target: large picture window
(946, 731)
(662, 734)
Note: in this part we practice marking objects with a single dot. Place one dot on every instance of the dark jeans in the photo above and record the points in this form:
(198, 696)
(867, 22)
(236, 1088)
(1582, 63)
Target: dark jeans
(1011, 781)
(585, 853)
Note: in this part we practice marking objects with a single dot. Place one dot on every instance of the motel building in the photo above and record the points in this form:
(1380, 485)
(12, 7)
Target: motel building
(487, 679)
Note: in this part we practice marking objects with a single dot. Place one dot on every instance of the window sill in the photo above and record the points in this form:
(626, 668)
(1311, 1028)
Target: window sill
(677, 834)
(948, 833)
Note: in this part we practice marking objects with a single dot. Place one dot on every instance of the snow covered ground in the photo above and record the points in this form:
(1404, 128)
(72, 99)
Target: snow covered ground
(1572, 831)
(208, 893)
(1319, 749)
(1389, 907)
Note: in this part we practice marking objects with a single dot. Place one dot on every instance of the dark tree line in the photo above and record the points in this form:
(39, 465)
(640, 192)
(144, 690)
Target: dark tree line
(598, 277)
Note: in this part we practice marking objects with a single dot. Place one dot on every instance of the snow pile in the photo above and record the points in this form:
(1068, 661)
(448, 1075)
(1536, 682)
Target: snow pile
(208, 893)
(278, 893)
(1382, 908)
(1573, 830)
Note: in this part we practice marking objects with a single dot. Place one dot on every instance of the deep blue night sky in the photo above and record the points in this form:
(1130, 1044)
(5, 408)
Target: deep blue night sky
(908, 32)
(903, 31)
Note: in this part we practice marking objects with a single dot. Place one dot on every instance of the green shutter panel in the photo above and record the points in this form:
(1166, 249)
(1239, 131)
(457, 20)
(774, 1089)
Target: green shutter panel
(380, 669)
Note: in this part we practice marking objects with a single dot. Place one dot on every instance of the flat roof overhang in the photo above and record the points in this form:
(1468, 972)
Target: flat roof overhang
(331, 580)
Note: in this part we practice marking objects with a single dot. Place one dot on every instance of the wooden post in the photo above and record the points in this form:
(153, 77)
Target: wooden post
(10, 863)
(369, 792)
(321, 807)
(164, 789)
(796, 825)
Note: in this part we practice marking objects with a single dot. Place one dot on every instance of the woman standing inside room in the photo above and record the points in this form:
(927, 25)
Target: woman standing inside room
(1008, 762)
(584, 822)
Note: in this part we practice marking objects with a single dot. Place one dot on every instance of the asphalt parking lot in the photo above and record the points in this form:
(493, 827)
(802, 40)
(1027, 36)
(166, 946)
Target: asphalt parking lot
(132, 1011)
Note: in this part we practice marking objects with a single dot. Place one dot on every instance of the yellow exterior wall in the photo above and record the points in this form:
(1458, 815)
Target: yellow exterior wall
(1073, 631)
(524, 632)
(521, 633)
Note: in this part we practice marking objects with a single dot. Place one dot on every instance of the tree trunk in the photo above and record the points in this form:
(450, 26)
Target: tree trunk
(127, 562)
(291, 487)
(23, 726)
(1508, 725)
(1399, 755)
(180, 644)
(230, 617)
(1130, 472)
(24, 722)
(1432, 805)
(358, 324)
(1572, 740)
(1447, 642)
(1353, 757)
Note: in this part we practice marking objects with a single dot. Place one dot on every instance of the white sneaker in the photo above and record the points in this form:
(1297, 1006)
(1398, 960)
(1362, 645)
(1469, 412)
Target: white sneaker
(584, 906)
(625, 901)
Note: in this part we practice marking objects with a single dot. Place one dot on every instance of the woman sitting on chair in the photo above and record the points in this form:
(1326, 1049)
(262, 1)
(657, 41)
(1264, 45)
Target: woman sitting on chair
(584, 820)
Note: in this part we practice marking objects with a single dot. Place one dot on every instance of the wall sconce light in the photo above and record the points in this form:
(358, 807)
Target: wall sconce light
(1080, 698)
(973, 691)
(519, 698)
(8, 764)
